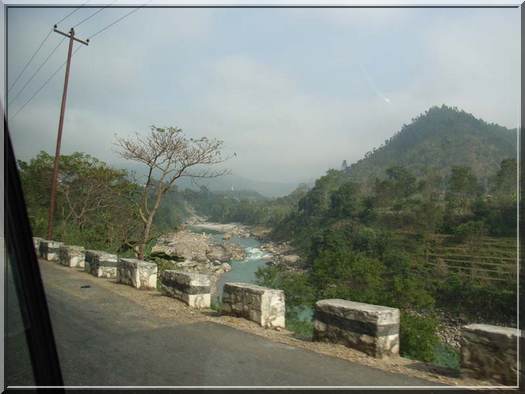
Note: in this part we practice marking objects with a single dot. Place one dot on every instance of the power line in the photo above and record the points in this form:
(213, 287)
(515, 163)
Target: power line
(74, 52)
(118, 20)
(30, 60)
(41, 45)
(43, 85)
(37, 70)
(94, 13)
(71, 13)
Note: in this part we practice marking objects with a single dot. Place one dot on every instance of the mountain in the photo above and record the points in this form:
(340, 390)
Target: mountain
(238, 183)
(440, 138)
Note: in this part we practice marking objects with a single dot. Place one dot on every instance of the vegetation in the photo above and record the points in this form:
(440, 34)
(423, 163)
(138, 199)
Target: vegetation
(168, 156)
(417, 336)
(441, 138)
(375, 240)
(422, 222)
(95, 202)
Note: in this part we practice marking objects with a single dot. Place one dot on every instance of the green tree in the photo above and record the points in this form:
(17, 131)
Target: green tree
(94, 201)
(346, 201)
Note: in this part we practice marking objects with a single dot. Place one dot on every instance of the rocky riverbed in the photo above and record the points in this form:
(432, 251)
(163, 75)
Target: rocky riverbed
(282, 253)
(210, 248)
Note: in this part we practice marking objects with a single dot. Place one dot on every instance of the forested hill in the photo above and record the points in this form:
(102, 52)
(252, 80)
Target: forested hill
(440, 138)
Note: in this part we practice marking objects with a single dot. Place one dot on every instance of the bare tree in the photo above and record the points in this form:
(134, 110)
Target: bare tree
(168, 155)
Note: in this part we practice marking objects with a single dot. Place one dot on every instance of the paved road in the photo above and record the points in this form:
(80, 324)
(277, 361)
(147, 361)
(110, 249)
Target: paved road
(105, 339)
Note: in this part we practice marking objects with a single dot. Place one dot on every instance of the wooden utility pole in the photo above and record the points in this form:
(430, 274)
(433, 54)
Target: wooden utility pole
(52, 204)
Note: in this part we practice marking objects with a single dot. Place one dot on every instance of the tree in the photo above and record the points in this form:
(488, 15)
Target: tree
(505, 184)
(168, 155)
(462, 189)
(345, 200)
(94, 201)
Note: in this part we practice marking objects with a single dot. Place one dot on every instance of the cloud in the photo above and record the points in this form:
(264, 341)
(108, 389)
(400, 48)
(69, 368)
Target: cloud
(335, 83)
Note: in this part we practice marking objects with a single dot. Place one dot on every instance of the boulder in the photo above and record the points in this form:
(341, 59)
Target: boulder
(260, 304)
(184, 245)
(218, 253)
(72, 256)
(101, 264)
(372, 329)
(234, 251)
(50, 250)
(137, 273)
(489, 352)
(290, 259)
(192, 288)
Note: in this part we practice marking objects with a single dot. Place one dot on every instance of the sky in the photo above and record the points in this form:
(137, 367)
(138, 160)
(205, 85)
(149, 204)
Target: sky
(293, 92)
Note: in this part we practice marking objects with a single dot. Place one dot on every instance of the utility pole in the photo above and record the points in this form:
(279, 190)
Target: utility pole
(72, 38)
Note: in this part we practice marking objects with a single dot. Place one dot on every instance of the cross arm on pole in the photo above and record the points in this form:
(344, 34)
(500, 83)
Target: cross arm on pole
(71, 35)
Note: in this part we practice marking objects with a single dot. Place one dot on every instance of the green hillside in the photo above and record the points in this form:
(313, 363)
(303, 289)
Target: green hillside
(440, 138)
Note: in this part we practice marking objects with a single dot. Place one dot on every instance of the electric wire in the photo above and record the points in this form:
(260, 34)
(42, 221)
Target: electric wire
(30, 60)
(94, 13)
(41, 45)
(37, 70)
(118, 20)
(75, 51)
(71, 13)
(44, 84)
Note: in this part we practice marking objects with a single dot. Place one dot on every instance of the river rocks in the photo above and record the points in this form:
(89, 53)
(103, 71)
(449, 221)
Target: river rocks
(183, 245)
(201, 248)
(290, 259)
(372, 329)
(226, 267)
(217, 253)
(101, 264)
(49, 250)
(234, 251)
(260, 304)
(137, 273)
(192, 288)
(72, 256)
(489, 352)
(260, 232)
(282, 254)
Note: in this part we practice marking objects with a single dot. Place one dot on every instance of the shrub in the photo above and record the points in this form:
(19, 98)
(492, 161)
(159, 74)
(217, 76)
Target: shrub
(303, 329)
(418, 338)
(446, 356)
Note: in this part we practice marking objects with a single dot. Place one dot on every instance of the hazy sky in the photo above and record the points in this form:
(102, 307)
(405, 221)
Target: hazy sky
(292, 91)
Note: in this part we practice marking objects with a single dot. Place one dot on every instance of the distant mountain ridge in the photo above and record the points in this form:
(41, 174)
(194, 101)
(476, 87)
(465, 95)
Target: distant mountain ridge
(235, 183)
(440, 138)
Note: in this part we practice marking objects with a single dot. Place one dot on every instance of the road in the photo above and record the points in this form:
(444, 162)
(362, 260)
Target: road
(105, 339)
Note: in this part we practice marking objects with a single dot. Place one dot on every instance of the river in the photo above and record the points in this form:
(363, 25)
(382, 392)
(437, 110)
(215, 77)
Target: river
(242, 270)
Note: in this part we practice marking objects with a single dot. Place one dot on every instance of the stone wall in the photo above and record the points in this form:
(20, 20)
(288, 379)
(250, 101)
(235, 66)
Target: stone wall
(101, 264)
(72, 256)
(36, 242)
(49, 250)
(490, 352)
(137, 273)
(372, 329)
(260, 304)
(192, 288)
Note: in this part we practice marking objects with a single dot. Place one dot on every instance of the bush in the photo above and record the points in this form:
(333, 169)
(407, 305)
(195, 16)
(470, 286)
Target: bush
(446, 356)
(303, 329)
(216, 305)
(418, 338)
